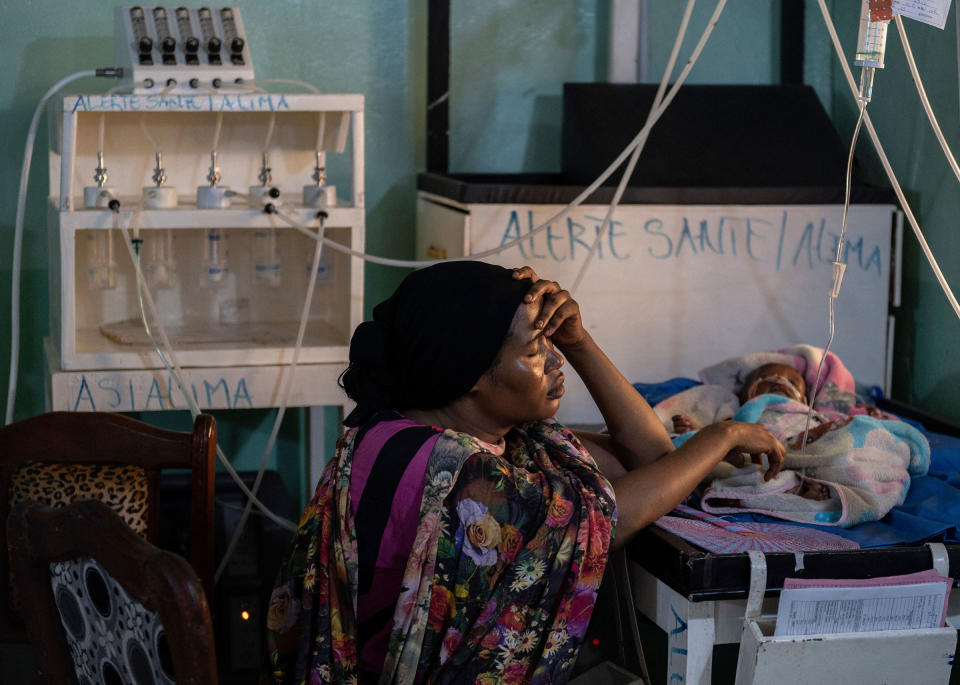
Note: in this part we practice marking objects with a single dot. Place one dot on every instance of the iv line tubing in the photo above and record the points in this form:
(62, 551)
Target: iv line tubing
(886, 163)
(830, 297)
(931, 117)
(103, 114)
(216, 131)
(270, 126)
(18, 237)
(285, 398)
(631, 165)
(143, 123)
(173, 367)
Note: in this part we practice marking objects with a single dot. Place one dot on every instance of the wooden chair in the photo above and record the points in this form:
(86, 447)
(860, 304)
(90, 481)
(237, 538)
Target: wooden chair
(105, 605)
(61, 457)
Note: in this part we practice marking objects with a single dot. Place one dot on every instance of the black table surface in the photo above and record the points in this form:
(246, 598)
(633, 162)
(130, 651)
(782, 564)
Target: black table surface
(700, 575)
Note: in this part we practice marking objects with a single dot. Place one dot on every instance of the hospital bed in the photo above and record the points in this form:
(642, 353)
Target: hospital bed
(698, 597)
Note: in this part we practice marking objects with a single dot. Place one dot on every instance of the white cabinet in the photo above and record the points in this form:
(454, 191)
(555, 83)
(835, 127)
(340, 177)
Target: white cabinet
(229, 283)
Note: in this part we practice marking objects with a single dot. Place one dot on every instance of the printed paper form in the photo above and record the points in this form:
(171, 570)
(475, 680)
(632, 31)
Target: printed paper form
(933, 12)
(812, 611)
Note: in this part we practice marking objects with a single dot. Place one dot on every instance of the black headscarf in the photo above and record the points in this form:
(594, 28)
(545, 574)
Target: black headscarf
(433, 339)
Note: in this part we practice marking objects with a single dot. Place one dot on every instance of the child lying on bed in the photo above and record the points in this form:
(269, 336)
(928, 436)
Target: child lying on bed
(855, 466)
(768, 379)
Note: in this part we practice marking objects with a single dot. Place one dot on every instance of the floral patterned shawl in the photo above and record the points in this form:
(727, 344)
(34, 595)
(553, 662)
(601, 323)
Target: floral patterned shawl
(501, 581)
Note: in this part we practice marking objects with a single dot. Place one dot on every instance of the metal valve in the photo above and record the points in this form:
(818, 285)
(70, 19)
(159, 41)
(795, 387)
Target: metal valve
(264, 174)
(319, 171)
(214, 176)
(159, 175)
(100, 173)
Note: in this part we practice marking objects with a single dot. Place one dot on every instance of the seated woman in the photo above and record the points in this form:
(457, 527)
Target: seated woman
(460, 534)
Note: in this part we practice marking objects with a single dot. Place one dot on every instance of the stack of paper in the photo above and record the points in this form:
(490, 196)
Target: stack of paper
(812, 607)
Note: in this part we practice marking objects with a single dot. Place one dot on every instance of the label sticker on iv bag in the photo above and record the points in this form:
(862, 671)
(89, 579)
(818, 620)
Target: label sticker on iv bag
(933, 12)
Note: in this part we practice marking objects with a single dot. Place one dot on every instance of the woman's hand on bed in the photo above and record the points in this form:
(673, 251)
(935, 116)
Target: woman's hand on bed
(750, 440)
(559, 313)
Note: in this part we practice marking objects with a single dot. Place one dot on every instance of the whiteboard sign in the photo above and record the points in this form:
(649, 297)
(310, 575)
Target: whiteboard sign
(675, 288)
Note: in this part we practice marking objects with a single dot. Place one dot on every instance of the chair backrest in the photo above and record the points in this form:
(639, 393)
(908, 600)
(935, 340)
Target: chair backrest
(105, 605)
(61, 457)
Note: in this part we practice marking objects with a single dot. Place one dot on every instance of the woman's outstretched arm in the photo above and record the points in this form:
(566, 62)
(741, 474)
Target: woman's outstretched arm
(654, 476)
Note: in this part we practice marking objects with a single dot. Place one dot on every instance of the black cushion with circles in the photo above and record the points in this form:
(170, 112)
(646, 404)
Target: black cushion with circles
(112, 637)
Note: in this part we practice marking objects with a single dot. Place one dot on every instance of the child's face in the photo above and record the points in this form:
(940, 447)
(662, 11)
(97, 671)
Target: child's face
(776, 379)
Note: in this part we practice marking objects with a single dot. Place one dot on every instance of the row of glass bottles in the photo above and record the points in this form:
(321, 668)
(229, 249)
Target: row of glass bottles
(159, 268)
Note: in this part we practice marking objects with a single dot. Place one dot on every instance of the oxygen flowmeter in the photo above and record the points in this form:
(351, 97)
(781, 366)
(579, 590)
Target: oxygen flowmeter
(222, 188)
(181, 48)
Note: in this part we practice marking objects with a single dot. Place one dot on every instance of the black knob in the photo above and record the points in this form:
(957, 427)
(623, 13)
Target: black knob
(213, 45)
(148, 83)
(171, 82)
(146, 44)
(216, 83)
(192, 45)
(274, 192)
(269, 208)
(322, 215)
(168, 44)
(236, 45)
(114, 205)
(194, 82)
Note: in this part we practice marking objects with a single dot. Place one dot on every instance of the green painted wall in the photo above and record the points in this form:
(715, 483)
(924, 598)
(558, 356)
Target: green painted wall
(508, 63)
(509, 59)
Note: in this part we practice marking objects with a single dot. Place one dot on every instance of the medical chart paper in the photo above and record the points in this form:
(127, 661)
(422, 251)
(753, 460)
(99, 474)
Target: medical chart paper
(933, 12)
(813, 611)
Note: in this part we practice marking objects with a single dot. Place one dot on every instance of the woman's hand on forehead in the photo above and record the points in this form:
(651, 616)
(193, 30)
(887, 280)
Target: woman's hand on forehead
(559, 315)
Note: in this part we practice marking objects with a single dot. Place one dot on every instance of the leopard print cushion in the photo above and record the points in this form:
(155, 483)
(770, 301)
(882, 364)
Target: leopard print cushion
(123, 488)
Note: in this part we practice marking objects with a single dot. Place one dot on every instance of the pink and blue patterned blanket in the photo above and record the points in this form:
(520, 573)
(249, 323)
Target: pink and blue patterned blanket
(859, 459)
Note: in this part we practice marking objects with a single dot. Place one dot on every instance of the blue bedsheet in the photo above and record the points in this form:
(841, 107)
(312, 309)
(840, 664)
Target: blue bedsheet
(930, 512)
